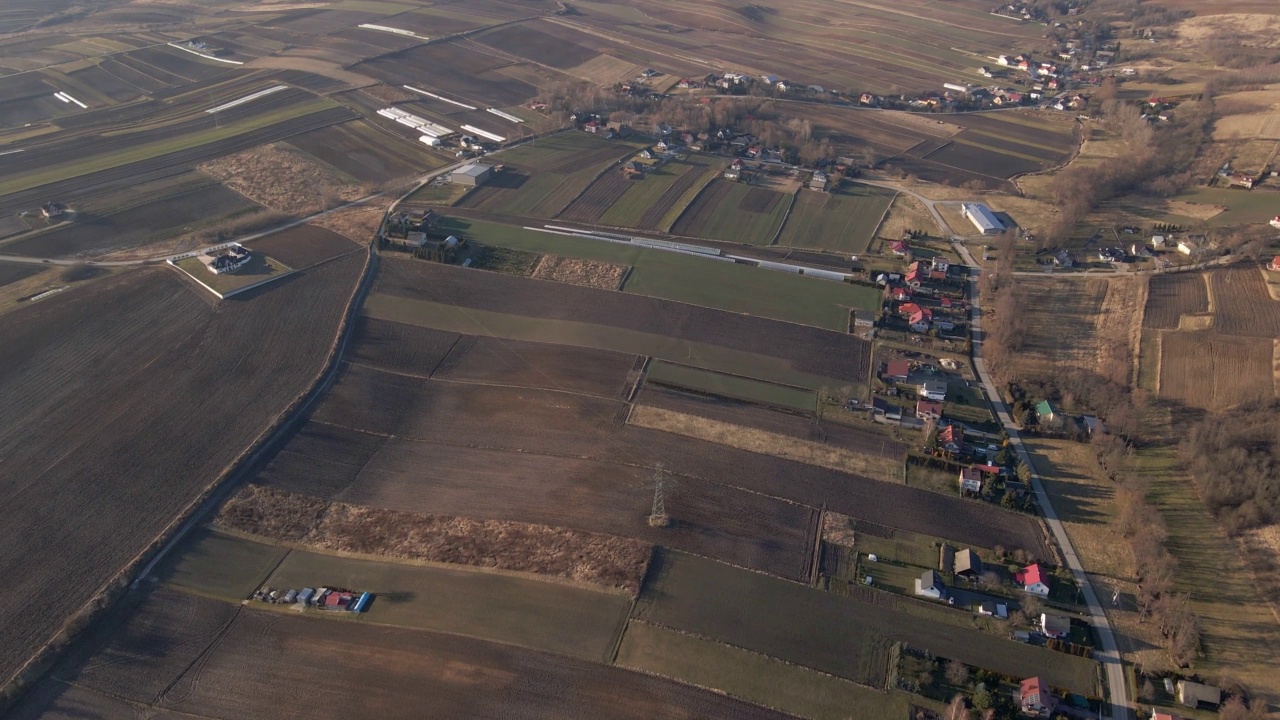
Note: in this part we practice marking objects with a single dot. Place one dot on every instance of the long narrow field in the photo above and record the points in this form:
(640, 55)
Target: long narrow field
(460, 69)
(698, 281)
(844, 220)
(734, 212)
(840, 635)
(303, 246)
(1172, 296)
(1241, 304)
(806, 349)
(1215, 371)
(121, 369)
(367, 154)
(644, 201)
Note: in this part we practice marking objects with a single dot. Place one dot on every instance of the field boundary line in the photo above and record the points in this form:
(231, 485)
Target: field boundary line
(642, 378)
(883, 216)
(815, 562)
(204, 654)
(603, 171)
(773, 241)
(432, 378)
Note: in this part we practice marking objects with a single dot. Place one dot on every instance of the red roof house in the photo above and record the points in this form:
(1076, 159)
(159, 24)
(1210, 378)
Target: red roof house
(951, 438)
(1274, 265)
(897, 370)
(1034, 580)
(928, 409)
(1034, 698)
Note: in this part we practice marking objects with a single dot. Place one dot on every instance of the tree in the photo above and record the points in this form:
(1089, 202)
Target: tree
(957, 710)
(982, 699)
(957, 673)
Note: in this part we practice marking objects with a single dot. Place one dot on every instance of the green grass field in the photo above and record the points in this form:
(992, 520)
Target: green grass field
(758, 678)
(729, 222)
(731, 386)
(517, 327)
(1242, 206)
(640, 196)
(698, 281)
(843, 221)
(551, 187)
(832, 633)
(222, 566)
(523, 611)
(260, 269)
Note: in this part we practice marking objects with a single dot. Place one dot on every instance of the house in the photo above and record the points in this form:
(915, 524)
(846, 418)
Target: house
(591, 126)
(897, 370)
(928, 409)
(647, 154)
(686, 83)
(920, 318)
(1062, 258)
(226, 260)
(901, 294)
(769, 79)
(1157, 715)
(622, 129)
(916, 275)
(1045, 412)
(968, 564)
(471, 174)
(940, 264)
(1275, 222)
(1243, 181)
(782, 86)
(1196, 695)
(818, 181)
(864, 319)
(951, 439)
(733, 172)
(868, 99)
(900, 247)
(934, 390)
(970, 479)
(991, 608)
(1274, 265)
(1157, 241)
(1034, 580)
(52, 209)
(880, 406)
(930, 585)
(1093, 425)
(1055, 626)
(1034, 699)
(1187, 247)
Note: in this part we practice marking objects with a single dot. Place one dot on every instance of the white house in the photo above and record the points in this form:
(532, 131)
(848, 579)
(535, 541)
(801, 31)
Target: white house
(1275, 222)
(1157, 241)
(1034, 580)
(934, 390)
(970, 480)
(1186, 247)
(1055, 626)
(930, 585)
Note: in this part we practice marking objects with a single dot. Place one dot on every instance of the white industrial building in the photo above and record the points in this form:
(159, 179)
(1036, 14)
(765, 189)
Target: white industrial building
(472, 174)
(982, 218)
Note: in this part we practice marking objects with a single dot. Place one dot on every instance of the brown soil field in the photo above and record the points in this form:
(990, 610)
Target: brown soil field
(151, 221)
(14, 272)
(520, 363)
(118, 375)
(303, 246)
(365, 153)
(654, 214)
(696, 216)
(538, 46)
(804, 427)
(400, 348)
(1214, 371)
(1169, 297)
(282, 180)
(358, 223)
(809, 349)
(1241, 304)
(268, 664)
(759, 200)
(603, 193)
(743, 528)
(1062, 331)
(519, 547)
(587, 273)
(495, 193)
(321, 460)
(467, 413)
(460, 69)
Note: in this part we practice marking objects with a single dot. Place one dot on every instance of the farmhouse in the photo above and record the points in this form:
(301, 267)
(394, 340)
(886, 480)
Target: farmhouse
(928, 409)
(1195, 695)
(229, 260)
(1034, 699)
(1055, 626)
(970, 480)
(934, 390)
(982, 218)
(897, 370)
(967, 563)
(53, 209)
(951, 439)
(472, 174)
(930, 585)
(1034, 580)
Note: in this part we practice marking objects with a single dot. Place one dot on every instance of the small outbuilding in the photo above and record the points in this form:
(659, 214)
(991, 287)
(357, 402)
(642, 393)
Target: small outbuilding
(472, 174)
(930, 585)
(1195, 695)
(967, 563)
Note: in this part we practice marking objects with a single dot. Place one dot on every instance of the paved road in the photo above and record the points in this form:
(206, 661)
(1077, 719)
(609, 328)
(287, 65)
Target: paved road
(1108, 655)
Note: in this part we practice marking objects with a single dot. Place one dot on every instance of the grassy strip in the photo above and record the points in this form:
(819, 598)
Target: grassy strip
(762, 441)
(1030, 158)
(113, 159)
(698, 281)
(492, 324)
(754, 677)
(731, 386)
(218, 565)
(730, 223)
(842, 221)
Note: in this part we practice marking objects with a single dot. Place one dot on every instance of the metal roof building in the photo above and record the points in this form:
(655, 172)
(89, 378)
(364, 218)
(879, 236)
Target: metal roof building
(982, 218)
(472, 174)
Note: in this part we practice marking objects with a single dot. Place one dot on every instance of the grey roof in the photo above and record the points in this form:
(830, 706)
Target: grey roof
(968, 561)
(1057, 623)
(931, 578)
(474, 170)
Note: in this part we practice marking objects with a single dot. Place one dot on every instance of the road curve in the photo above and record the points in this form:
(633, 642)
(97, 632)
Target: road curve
(1109, 654)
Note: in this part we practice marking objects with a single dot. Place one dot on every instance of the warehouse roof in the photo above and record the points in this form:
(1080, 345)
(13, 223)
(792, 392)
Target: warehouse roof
(473, 169)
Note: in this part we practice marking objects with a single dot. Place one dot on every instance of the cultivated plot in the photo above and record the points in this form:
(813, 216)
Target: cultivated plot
(844, 220)
(1215, 371)
(1171, 296)
(735, 212)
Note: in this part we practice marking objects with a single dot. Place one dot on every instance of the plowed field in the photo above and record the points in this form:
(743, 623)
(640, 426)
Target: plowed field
(1172, 296)
(1241, 305)
(303, 246)
(1215, 371)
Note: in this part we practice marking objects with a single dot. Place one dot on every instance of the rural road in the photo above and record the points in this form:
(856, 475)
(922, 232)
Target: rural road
(1108, 654)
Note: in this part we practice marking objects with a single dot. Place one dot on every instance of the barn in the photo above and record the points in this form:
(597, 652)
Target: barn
(472, 174)
(982, 218)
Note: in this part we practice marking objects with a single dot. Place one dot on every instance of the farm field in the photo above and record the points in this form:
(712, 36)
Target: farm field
(685, 377)
(137, 351)
(367, 154)
(734, 212)
(410, 673)
(220, 566)
(844, 220)
(697, 281)
(643, 203)
(758, 678)
(1215, 371)
(303, 246)
(1241, 304)
(542, 178)
(1173, 295)
(461, 69)
(16, 272)
(534, 365)
(151, 219)
(806, 349)
(831, 633)
(532, 613)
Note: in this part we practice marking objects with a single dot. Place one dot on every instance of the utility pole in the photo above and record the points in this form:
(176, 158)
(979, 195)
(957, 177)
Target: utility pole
(661, 484)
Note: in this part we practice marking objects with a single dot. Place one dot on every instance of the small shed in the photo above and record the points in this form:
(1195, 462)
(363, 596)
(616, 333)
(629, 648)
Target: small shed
(930, 585)
(471, 174)
(1194, 694)
(967, 563)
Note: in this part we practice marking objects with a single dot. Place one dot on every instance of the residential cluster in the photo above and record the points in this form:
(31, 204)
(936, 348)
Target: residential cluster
(324, 598)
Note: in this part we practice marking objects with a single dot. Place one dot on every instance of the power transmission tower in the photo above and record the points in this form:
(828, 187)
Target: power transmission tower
(661, 485)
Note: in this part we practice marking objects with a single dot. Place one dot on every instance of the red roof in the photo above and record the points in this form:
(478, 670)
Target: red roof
(1032, 686)
(908, 308)
(1031, 575)
(951, 433)
(920, 315)
(987, 469)
(898, 368)
(928, 407)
